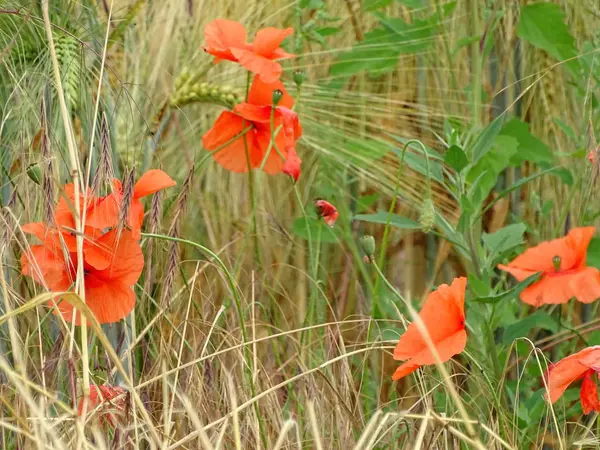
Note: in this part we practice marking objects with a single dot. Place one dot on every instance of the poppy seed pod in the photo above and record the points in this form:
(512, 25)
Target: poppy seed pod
(367, 243)
(34, 171)
(427, 218)
(299, 77)
(277, 95)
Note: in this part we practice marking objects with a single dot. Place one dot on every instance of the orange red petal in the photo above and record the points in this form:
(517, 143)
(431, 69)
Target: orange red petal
(571, 369)
(221, 35)
(443, 316)
(589, 393)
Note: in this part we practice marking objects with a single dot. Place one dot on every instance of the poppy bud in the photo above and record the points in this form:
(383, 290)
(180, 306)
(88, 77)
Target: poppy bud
(427, 218)
(277, 94)
(299, 76)
(556, 260)
(34, 171)
(367, 243)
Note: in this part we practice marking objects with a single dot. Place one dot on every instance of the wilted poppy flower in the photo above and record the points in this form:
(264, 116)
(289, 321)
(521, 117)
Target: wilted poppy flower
(562, 263)
(108, 286)
(291, 166)
(581, 365)
(111, 401)
(107, 212)
(327, 211)
(591, 156)
(226, 39)
(256, 114)
(443, 314)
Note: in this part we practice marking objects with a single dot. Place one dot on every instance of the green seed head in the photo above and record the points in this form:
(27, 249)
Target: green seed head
(556, 260)
(277, 95)
(299, 77)
(427, 218)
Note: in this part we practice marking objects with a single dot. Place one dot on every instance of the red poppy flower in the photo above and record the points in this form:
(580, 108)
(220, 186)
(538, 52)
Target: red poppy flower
(106, 214)
(226, 39)
(591, 156)
(583, 364)
(108, 287)
(111, 401)
(443, 314)
(562, 263)
(256, 113)
(327, 211)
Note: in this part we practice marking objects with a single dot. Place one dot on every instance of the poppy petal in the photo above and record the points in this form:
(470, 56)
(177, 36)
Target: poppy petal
(446, 349)
(585, 285)
(232, 156)
(269, 39)
(571, 369)
(589, 394)
(109, 301)
(127, 259)
(269, 71)
(442, 314)
(254, 113)
(261, 93)
(221, 35)
(274, 162)
(291, 166)
(549, 290)
(405, 369)
(152, 181)
(106, 213)
(46, 267)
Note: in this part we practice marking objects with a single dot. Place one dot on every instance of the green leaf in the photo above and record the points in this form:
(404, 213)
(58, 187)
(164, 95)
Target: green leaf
(317, 228)
(530, 148)
(543, 26)
(484, 141)
(366, 201)
(396, 221)
(539, 319)
(456, 158)
(372, 5)
(486, 171)
(593, 253)
(504, 239)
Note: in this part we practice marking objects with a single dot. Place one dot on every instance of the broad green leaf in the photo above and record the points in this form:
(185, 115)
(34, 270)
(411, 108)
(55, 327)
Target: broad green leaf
(543, 26)
(530, 148)
(484, 141)
(396, 220)
(539, 319)
(318, 229)
(486, 171)
(456, 158)
(504, 239)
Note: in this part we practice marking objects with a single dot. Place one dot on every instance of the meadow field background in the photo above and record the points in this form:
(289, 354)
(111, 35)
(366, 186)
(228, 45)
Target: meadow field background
(449, 135)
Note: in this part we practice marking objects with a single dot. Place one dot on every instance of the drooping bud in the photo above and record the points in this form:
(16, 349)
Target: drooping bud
(327, 211)
(367, 243)
(427, 218)
(556, 260)
(34, 172)
(299, 76)
(277, 95)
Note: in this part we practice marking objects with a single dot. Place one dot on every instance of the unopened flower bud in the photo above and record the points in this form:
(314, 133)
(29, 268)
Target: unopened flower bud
(277, 95)
(427, 218)
(367, 243)
(34, 171)
(299, 76)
